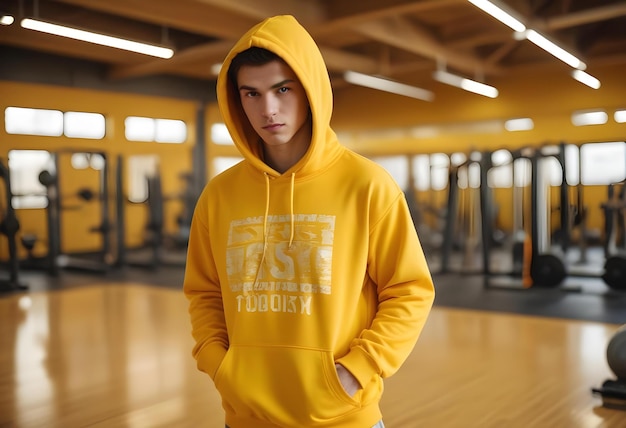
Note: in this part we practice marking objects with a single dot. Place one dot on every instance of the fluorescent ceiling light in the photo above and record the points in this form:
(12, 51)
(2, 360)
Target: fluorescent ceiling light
(6, 20)
(552, 48)
(519, 124)
(499, 14)
(620, 116)
(464, 83)
(387, 86)
(586, 79)
(99, 39)
(585, 118)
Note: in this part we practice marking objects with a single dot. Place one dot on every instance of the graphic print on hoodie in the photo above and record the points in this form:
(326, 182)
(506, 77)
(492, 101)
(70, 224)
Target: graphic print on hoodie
(306, 257)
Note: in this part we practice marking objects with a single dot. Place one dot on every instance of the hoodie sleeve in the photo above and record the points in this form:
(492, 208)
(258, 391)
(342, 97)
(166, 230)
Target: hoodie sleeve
(202, 288)
(405, 296)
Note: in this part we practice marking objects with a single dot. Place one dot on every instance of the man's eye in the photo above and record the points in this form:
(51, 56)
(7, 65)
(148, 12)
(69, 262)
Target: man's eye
(283, 90)
(251, 94)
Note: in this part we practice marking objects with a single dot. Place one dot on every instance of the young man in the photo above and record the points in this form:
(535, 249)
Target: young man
(306, 280)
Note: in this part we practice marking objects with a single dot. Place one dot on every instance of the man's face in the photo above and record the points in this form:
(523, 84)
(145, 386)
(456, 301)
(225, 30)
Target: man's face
(275, 103)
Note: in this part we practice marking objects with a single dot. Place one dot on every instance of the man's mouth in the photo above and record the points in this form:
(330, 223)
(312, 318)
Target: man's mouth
(273, 126)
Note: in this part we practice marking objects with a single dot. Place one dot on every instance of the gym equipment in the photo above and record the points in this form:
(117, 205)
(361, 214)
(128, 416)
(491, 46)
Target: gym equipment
(189, 198)
(550, 264)
(100, 261)
(519, 238)
(154, 253)
(616, 354)
(615, 272)
(580, 216)
(451, 217)
(514, 256)
(613, 391)
(614, 212)
(547, 267)
(9, 226)
(462, 221)
(546, 264)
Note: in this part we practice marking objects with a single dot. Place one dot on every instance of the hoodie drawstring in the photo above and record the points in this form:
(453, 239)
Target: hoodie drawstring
(267, 210)
(266, 220)
(265, 216)
(293, 179)
(292, 217)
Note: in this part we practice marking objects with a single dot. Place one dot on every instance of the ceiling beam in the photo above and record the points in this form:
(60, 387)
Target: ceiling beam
(209, 54)
(402, 34)
(501, 52)
(480, 39)
(185, 15)
(376, 9)
(308, 12)
(588, 16)
(328, 28)
(338, 60)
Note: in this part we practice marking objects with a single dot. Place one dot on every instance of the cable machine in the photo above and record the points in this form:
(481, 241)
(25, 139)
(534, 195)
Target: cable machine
(57, 258)
(615, 229)
(9, 226)
(514, 258)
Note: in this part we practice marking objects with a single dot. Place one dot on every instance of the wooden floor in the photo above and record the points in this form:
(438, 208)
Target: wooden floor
(118, 355)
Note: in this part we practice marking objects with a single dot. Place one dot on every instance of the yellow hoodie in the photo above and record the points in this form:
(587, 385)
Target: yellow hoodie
(288, 274)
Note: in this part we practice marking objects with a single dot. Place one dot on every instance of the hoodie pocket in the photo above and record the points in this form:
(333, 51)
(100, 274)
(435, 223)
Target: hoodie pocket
(287, 386)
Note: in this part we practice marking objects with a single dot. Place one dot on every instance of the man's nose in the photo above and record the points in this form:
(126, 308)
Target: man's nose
(270, 106)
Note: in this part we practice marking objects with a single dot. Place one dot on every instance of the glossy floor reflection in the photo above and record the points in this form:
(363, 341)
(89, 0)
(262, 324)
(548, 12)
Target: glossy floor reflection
(118, 355)
(101, 356)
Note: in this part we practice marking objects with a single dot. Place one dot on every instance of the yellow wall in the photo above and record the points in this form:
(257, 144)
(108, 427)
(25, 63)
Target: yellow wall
(175, 158)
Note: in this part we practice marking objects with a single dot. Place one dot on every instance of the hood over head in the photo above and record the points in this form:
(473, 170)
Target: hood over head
(284, 36)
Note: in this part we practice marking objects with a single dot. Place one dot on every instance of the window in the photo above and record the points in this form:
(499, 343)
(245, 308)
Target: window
(170, 131)
(421, 172)
(439, 167)
(160, 130)
(469, 176)
(94, 161)
(397, 166)
(220, 135)
(222, 163)
(501, 175)
(54, 123)
(139, 168)
(550, 170)
(139, 128)
(84, 125)
(25, 167)
(32, 121)
(603, 163)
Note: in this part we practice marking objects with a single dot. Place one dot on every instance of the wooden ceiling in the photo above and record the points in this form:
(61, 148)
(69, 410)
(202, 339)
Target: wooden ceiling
(400, 39)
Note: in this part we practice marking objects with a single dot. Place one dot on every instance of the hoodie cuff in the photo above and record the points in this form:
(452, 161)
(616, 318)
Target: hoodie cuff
(361, 365)
(210, 358)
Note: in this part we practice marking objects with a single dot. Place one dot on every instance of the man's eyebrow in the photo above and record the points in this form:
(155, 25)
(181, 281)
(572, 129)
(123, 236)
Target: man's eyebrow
(276, 85)
(279, 84)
